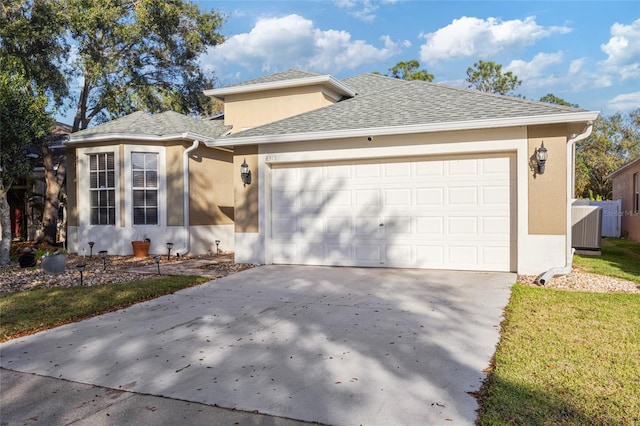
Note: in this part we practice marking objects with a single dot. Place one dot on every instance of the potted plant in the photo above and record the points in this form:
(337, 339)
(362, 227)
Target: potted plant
(53, 261)
(141, 247)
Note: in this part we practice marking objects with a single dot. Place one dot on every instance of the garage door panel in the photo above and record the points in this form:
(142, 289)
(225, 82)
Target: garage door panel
(468, 167)
(398, 197)
(464, 226)
(367, 227)
(368, 198)
(397, 225)
(429, 256)
(367, 171)
(496, 195)
(442, 213)
(429, 226)
(463, 196)
(429, 168)
(370, 254)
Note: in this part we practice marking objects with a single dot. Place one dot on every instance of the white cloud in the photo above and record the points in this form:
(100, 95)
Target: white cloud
(528, 71)
(623, 50)
(479, 38)
(576, 66)
(625, 102)
(276, 44)
(363, 10)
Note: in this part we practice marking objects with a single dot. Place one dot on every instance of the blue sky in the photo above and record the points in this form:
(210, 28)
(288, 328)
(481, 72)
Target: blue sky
(586, 52)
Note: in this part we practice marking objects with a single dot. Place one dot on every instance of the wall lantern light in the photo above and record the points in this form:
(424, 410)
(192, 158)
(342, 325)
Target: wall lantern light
(541, 158)
(169, 247)
(245, 173)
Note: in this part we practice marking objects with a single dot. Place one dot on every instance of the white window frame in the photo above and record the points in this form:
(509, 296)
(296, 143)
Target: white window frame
(147, 186)
(102, 190)
(82, 174)
(140, 230)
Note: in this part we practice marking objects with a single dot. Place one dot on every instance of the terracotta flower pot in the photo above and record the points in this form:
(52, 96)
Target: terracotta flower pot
(140, 248)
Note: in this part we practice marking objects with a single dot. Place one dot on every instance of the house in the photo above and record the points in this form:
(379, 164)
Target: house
(26, 196)
(367, 171)
(626, 187)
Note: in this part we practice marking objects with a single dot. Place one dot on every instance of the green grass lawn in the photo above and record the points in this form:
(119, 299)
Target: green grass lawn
(34, 310)
(620, 258)
(570, 358)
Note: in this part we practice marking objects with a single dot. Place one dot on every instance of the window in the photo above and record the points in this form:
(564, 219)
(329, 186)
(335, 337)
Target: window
(144, 179)
(102, 189)
(636, 192)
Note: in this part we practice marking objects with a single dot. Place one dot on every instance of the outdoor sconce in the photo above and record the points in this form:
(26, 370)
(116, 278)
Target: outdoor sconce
(103, 255)
(541, 158)
(245, 173)
(169, 247)
(80, 267)
(91, 243)
(157, 259)
(217, 244)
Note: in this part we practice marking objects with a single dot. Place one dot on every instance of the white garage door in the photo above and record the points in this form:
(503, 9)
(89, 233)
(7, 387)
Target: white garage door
(447, 213)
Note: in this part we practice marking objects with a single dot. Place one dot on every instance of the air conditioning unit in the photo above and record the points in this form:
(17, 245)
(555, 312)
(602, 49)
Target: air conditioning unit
(586, 227)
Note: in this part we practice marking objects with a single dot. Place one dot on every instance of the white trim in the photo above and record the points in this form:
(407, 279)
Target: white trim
(108, 137)
(281, 84)
(128, 188)
(585, 116)
(82, 185)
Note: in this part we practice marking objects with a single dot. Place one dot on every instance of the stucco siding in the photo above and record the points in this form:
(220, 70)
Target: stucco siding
(547, 192)
(246, 197)
(245, 111)
(175, 185)
(210, 187)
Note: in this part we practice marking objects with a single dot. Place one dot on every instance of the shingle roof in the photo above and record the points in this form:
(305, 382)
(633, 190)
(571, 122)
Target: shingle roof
(367, 83)
(405, 103)
(166, 123)
(291, 74)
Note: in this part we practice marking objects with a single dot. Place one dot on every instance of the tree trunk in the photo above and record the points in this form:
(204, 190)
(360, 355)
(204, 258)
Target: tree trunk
(5, 224)
(54, 177)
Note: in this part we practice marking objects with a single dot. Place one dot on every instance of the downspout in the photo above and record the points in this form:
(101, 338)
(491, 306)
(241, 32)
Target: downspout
(185, 198)
(564, 270)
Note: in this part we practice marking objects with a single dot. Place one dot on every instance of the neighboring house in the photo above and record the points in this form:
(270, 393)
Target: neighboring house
(626, 187)
(366, 171)
(26, 197)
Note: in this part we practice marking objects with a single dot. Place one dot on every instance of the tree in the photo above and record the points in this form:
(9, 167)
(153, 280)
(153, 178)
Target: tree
(32, 45)
(409, 70)
(33, 50)
(24, 122)
(550, 98)
(140, 55)
(615, 141)
(128, 55)
(488, 77)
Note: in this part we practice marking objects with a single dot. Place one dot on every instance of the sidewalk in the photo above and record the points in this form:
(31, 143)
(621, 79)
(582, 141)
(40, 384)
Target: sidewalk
(37, 400)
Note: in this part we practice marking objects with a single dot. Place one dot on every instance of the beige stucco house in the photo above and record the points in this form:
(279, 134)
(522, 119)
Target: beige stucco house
(367, 171)
(626, 187)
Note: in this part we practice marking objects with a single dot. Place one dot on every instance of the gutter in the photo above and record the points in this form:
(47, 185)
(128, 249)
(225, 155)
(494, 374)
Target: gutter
(571, 117)
(566, 269)
(185, 198)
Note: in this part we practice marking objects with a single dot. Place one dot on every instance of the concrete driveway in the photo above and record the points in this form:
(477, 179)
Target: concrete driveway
(341, 346)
